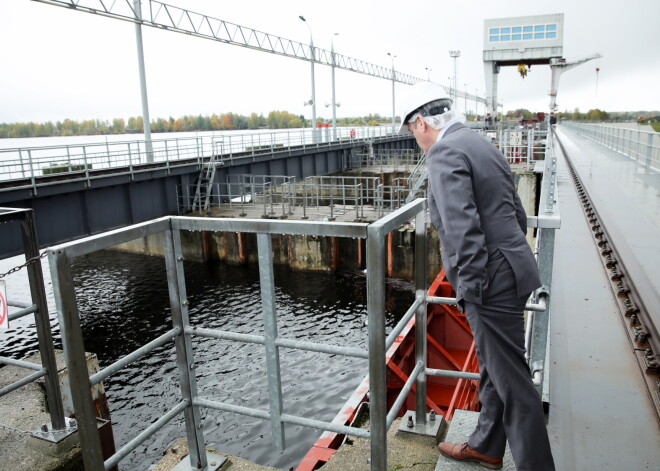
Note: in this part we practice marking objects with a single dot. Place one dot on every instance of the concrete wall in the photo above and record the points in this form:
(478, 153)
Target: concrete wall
(300, 253)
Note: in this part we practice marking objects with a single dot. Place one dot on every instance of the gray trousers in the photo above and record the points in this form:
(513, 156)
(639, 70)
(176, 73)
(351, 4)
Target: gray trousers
(511, 408)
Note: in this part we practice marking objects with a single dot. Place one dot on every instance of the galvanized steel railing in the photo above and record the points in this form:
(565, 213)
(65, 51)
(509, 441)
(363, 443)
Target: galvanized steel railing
(318, 197)
(81, 161)
(182, 331)
(59, 425)
(641, 146)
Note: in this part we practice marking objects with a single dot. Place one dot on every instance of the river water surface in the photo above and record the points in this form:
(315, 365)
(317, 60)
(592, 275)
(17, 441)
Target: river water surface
(124, 304)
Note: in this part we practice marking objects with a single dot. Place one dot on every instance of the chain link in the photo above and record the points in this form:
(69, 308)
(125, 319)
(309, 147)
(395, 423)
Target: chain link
(15, 430)
(29, 262)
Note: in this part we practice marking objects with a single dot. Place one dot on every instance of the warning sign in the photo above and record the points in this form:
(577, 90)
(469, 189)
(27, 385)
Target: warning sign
(4, 310)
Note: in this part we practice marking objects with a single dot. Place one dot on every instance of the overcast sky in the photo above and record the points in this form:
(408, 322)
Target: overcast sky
(57, 63)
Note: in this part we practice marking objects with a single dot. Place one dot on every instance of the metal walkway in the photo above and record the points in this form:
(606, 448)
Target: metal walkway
(600, 413)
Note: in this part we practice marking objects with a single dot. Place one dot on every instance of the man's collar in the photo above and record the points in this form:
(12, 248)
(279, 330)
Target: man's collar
(444, 129)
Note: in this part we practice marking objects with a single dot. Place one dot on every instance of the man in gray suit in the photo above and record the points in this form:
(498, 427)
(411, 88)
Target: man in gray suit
(482, 225)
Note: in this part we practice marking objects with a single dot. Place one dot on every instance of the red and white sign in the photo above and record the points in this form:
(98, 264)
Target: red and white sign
(4, 310)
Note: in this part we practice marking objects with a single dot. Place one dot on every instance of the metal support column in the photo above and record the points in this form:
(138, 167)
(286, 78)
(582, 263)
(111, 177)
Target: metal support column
(74, 353)
(267, 282)
(184, 353)
(420, 316)
(41, 319)
(146, 123)
(376, 332)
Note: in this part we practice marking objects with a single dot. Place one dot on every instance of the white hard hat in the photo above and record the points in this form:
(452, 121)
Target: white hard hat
(420, 94)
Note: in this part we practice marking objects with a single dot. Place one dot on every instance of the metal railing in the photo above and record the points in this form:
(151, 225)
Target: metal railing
(182, 331)
(318, 197)
(60, 426)
(519, 145)
(81, 161)
(395, 159)
(641, 146)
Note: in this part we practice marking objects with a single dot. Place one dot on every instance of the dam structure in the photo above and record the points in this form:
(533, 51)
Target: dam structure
(350, 202)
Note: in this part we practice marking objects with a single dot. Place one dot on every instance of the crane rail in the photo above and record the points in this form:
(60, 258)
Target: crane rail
(635, 315)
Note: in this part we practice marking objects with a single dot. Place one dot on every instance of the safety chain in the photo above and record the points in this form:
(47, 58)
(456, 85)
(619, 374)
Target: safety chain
(12, 429)
(29, 262)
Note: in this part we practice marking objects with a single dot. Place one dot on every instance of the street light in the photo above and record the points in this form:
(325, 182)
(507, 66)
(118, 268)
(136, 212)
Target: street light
(428, 74)
(465, 98)
(313, 100)
(392, 56)
(334, 103)
(455, 55)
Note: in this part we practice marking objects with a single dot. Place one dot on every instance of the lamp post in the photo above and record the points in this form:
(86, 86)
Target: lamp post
(146, 120)
(313, 99)
(465, 98)
(392, 56)
(334, 103)
(455, 55)
(476, 104)
(428, 74)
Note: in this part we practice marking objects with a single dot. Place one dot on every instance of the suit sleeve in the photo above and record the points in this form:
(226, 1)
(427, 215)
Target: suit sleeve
(451, 184)
(521, 216)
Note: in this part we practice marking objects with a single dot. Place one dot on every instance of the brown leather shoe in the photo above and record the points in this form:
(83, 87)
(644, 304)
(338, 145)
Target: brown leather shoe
(462, 452)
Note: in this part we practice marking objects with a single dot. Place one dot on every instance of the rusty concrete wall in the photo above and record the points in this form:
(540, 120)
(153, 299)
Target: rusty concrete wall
(301, 253)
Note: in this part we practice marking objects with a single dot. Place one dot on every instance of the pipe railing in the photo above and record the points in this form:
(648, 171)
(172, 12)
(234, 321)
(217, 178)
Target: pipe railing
(47, 369)
(641, 146)
(79, 161)
(182, 331)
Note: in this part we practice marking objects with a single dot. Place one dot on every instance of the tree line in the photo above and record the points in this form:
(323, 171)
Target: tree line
(215, 122)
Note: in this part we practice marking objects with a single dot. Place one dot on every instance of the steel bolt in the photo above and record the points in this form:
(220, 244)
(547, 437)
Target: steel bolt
(180, 258)
(410, 423)
(185, 303)
(432, 416)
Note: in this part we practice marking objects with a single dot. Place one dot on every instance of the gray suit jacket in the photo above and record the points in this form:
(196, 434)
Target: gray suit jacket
(479, 217)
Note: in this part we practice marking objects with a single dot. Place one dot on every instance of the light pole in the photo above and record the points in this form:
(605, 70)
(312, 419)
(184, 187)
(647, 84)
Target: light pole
(465, 98)
(476, 104)
(428, 74)
(392, 56)
(146, 120)
(313, 100)
(334, 103)
(455, 55)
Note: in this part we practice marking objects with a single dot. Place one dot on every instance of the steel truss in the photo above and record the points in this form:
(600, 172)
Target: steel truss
(168, 17)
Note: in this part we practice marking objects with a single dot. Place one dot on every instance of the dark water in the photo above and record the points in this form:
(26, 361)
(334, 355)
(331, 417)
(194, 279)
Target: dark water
(124, 304)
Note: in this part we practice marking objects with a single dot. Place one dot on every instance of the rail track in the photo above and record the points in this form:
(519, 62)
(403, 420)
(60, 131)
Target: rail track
(635, 315)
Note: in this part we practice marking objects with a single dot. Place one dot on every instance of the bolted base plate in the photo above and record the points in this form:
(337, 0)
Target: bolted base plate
(431, 428)
(214, 461)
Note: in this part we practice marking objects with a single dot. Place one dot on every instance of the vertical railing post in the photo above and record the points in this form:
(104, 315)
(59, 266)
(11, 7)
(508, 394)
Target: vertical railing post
(74, 353)
(20, 158)
(130, 162)
(420, 315)
(89, 183)
(267, 282)
(649, 150)
(32, 176)
(183, 344)
(42, 322)
(376, 333)
(167, 158)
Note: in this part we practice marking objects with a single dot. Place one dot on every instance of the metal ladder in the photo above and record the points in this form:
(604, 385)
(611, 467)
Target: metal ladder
(205, 184)
(417, 179)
